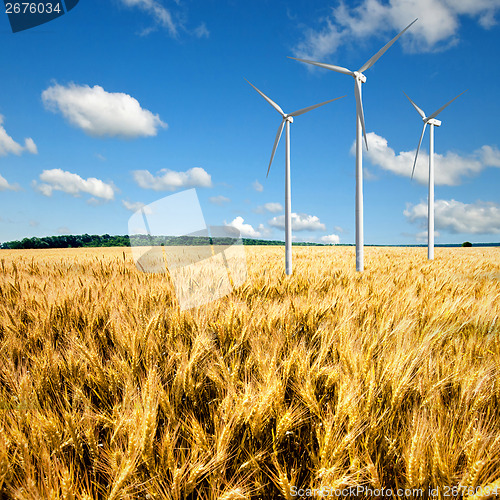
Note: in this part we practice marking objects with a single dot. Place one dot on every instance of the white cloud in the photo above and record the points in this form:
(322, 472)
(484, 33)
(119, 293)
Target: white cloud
(30, 146)
(160, 14)
(490, 156)
(272, 207)
(319, 44)
(99, 113)
(10, 146)
(360, 21)
(258, 186)
(169, 180)
(60, 180)
(448, 168)
(456, 217)
(64, 230)
(246, 230)
(437, 27)
(201, 31)
(421, 237)
(96, 201)
(332, 239)
(133, 206)
(300, 222)
(5, 186)
(169, 19)
(218, 200)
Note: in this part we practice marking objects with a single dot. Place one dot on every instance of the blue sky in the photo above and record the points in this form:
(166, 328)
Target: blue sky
(123, 102)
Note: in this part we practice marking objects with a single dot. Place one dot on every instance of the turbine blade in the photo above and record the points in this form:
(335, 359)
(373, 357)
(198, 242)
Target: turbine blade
(418, 149)
(276, 142)
(419, 111)
(359, 108)
(270, 101)
(368, 64)
(305, 110)
(442, 107)
(338, 69)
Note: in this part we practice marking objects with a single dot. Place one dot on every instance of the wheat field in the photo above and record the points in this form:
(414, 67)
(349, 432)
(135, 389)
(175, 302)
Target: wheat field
(324, 379)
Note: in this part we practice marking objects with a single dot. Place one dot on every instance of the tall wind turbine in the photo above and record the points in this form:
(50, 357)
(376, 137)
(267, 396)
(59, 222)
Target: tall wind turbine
(359, 78)
(287, 118)
(432, 122)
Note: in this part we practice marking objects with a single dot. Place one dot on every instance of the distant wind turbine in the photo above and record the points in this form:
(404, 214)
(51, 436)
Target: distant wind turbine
(359, 78)
(432, 122)
(287, 118)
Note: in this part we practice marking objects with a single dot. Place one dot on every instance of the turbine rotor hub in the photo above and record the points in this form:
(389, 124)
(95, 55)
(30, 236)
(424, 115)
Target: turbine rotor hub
(359, 76)
(289, 118)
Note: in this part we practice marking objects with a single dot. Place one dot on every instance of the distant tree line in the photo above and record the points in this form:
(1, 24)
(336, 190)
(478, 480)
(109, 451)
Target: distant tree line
(105, 240)
(69, 241)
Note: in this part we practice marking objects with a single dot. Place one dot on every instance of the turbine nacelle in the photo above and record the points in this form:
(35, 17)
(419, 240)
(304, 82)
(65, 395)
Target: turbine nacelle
(288, 118)
(432, 121)
(359, 76)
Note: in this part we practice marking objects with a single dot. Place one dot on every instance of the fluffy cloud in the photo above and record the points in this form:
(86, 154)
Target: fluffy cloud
(133, 206)
(246, 230)
(60, 180)
(10, 146)
(219, 200)
(437, 27)
(449, 168)
(421, 237)
(332, 239)
(490, 156)
(272, 207)
(319, 44)
(300, 222)
(5, 186)
(459, 218)
(258, 186)
(30, 146)
(99, 113)
(169, 180)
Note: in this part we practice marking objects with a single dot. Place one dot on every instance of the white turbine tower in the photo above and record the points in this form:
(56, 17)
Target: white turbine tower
(432, 122)
(359, 78)
(287, 118)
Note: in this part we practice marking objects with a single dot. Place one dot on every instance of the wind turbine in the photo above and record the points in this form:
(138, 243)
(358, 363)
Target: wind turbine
(432, 122)
(359, 78)
(287, 118)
